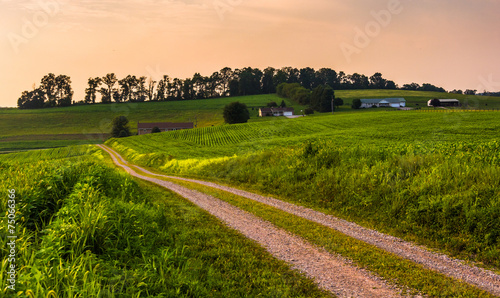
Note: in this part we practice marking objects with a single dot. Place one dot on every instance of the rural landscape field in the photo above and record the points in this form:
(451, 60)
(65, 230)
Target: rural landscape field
(230, 148)
(429, 176)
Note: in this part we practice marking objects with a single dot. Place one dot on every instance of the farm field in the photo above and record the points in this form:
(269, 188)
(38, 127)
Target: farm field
(56, 127)
(428, 177)
(88, 230)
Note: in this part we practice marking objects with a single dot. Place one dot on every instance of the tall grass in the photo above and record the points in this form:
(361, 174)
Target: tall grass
(444, 195)
(87, 230)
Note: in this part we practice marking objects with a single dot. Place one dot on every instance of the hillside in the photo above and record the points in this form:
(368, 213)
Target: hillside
(55, 127)
(429, 176)
(30, 129)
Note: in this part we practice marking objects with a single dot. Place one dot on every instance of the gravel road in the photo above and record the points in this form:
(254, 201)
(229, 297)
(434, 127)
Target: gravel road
(458, 269)
(331, 272)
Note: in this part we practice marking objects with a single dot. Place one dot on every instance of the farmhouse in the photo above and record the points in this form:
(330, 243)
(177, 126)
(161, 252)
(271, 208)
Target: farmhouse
(275, 112)
(383, 102)
(145, 128)
(446, 102)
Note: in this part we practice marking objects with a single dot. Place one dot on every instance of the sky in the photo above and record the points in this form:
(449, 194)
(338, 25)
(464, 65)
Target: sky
(449, 43)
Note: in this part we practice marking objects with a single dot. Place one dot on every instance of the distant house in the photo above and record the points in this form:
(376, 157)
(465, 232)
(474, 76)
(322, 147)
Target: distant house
(263, 112)
(383, 103)
(145, 128)
(446, 102)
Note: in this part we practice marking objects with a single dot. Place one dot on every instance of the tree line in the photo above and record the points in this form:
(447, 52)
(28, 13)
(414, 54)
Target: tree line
(56, 90)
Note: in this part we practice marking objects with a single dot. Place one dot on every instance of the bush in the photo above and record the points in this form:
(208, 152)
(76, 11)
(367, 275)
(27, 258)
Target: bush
(120, 127)
(356, 104)
(155, 130)
(308, 111)
(236, 112)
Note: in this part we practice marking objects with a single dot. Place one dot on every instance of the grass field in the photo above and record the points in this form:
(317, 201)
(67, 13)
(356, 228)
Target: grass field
(86, 230)
(46, 128)
(428, 177)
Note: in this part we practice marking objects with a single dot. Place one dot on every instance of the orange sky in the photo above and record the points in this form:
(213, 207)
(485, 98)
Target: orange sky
(449, 43)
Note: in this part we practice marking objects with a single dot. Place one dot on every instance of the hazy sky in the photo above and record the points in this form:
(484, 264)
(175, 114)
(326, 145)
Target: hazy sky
(450, 43)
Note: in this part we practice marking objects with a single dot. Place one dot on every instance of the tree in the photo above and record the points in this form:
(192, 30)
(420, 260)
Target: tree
(236, 112)
(307, 77)
(268, 85)
(151, 89)
(120, 127)
(470, 92)
(31, 99)
(412, 86)
(272, 104)
(107, 93)
(321, 98)
(142, 90)
(283, 104)
(90, 92)
(64, 93)
(155, 130)
(356, 103)
(377, 82)
(161, 90)
(49, 87)
(338, 102)
(328, 76)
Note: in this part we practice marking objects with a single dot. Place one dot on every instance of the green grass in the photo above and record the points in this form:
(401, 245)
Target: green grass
(419, 98)
(427, 177)
(55, 127)
(88, 230)
(31, 129)
(404, 273)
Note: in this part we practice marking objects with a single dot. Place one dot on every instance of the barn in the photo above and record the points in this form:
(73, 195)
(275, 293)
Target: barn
(263, 112)
(446, 102)
(145, 128)
(383, 103)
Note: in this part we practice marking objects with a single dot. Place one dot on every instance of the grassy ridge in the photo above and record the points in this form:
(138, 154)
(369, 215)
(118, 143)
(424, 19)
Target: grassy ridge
(428, 177)
(32, 129)
(382, 129)
(87, 230)
(92, 123)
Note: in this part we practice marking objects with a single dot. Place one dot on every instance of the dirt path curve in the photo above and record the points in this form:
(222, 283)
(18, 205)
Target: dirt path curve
(483, 279)
(331, 272)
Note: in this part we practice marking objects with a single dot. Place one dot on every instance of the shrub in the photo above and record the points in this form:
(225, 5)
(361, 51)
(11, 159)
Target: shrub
(236, 112)
(356, 104)
(308, 111)
(120, 127)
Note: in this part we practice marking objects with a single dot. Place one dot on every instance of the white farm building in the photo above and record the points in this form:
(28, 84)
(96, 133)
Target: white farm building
(383, 103)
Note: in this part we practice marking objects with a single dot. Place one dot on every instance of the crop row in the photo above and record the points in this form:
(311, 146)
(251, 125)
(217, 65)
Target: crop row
(48, 154)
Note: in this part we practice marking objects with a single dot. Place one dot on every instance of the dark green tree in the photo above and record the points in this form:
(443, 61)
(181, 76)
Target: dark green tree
(155, 130)
(119, 127)
(338, 102)
(356, 103)
(107, 93)
(377, 81)
(236, 112)
(272, 104)
(90, 92)
(49, 87)
(321, 98)
(283, 104)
